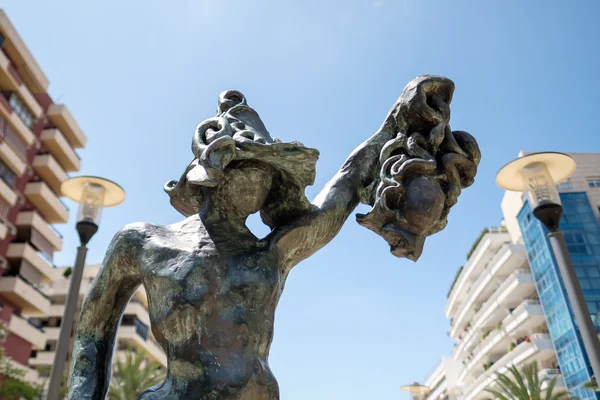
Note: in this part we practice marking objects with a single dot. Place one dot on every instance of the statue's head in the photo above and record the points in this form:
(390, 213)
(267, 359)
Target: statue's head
(423, 168)
(234, 153)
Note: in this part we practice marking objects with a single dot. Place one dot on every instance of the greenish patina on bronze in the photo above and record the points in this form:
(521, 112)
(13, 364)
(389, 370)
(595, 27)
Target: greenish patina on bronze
(213, 286)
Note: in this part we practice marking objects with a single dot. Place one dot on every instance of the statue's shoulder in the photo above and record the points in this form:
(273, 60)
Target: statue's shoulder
(135, 234)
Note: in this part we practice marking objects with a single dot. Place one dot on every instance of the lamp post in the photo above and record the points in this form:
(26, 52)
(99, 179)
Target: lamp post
(93, 194)
(538, 174)
(417, 391)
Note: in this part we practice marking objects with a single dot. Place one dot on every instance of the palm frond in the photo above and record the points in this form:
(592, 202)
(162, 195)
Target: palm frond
(133, 375)
(525, 385)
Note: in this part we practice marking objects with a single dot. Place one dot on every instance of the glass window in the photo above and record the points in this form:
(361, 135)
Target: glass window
(594, 181)
(565, 185)
(7, 175)
(21, 109)
(140, 328)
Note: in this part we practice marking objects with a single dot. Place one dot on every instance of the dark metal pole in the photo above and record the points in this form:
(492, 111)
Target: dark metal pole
(580, 309)
(66, 330)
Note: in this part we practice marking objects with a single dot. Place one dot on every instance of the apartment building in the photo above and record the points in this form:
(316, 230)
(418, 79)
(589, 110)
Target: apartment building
(507, 305)
(38, 139)
(580, 197)
(133, 334)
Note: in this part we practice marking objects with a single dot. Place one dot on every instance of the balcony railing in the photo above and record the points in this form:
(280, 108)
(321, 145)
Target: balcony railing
(56, 230)
(13, 72)
(41, 243)
(13, 139)
(15, 272)
(475, 387)
(18, 315)
(63, 203)
(7, 175)
(46, 257)
(34, 287)
(4, 208)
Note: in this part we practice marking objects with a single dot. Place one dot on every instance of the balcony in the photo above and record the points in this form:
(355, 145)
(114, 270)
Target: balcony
(42, 358)
(25, 252)
(140, 312)
(52, 332)
(8, 155)
(7, 193)
(525, 318)
(34, 222)
(11, 117)
(18, 52)
(9, 78)
(56, 143)
(539, 348)
(47, 203)
(516, 288)
(14, 142)
(507, 259)
(3, 229)
(21, 293)
(547, 374)
(24, 329)
(484, 250)
(50, 171)
(58, 292)
(30, 101)
(60, 115)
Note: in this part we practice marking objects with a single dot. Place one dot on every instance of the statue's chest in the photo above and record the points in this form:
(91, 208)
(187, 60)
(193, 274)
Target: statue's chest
(199, 275)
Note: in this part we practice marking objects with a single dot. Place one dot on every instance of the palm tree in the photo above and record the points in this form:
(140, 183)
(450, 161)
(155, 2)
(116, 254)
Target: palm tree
(525, 386)
(133, 375)
(592, 385)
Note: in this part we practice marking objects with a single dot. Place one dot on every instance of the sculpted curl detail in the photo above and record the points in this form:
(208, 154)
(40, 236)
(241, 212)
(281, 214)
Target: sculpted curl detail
(423, 170)
(237, 134)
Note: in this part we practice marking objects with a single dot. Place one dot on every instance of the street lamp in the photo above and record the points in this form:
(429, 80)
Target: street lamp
(417, 391)
(93, 194)
(538, 174)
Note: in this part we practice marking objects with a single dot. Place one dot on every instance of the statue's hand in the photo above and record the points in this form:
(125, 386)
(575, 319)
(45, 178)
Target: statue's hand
(422, 169)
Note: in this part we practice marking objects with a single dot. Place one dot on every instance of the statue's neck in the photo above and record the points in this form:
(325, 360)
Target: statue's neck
(225, 226)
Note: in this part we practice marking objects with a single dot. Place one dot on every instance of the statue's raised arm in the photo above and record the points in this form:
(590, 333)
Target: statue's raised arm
(411, 170)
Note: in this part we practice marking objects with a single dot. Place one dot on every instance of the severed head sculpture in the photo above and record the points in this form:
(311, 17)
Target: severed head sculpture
(213, 286)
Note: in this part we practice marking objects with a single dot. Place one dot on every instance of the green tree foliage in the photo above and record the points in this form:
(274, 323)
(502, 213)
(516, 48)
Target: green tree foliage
(592, 385)
(133, 375)
(525, 385)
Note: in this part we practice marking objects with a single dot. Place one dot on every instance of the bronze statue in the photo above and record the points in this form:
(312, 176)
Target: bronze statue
(213, 286)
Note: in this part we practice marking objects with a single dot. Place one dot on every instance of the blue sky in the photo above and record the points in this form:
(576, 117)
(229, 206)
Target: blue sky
(354, 322)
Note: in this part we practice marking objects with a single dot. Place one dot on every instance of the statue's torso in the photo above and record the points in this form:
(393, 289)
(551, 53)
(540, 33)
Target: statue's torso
(212, 310)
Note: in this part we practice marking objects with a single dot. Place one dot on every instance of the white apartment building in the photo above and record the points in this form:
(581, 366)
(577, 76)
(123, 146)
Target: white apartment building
(495, 315)
(134, 332)
(496, 319)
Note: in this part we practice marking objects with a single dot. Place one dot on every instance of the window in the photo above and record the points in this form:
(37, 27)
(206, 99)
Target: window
(140, 328)
(594, 182)
(21, 109)
(7, 175)
(565, 185)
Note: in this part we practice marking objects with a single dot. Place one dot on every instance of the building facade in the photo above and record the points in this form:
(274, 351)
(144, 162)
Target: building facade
(580, 197)
(507, 305)
(38, 139)
(496, 320)
(134, 332)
